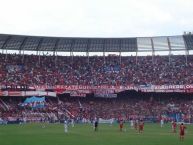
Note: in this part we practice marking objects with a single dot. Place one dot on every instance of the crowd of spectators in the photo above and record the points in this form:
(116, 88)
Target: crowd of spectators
(84, 110)
(96, 70)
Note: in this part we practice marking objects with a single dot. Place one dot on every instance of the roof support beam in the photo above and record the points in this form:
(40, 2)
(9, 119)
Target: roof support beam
(55, 46)
(39, 44)
(104, 51)
(169, 46)
(87, 49)
(153, 50)
(22, 44)
(5, 43)
(71, 49)
(186, 50)
(120, 42)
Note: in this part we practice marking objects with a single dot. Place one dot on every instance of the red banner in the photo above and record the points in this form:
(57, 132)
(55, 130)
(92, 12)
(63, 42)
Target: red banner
(14, 93)
(82, 90)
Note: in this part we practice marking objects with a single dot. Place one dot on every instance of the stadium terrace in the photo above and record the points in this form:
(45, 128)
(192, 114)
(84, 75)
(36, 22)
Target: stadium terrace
(155, 73)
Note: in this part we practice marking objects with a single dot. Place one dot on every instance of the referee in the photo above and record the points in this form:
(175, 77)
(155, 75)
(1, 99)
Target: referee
(96, 125)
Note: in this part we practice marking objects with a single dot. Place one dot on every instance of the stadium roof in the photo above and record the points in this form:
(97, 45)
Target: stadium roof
(69, 44)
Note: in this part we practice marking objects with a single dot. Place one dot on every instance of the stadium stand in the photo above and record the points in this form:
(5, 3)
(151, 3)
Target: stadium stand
(33, 70)
(17, 70)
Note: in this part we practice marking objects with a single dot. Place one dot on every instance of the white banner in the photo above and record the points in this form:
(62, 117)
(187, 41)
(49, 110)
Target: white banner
(110, 121)
(28, 93)
(106, 95)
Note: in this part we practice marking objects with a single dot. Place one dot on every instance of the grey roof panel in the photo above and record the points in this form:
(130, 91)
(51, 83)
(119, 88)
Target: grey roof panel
(67, 44)
(189, 41)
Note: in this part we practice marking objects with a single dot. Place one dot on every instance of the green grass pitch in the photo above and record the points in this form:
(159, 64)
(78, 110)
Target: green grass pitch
(53, 134)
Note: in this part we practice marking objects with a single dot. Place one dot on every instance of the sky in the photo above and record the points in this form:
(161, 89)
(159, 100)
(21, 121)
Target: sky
(96, 18)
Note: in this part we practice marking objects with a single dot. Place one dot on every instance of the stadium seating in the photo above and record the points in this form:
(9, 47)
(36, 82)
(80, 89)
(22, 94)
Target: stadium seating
(150, 109)
(61, 70)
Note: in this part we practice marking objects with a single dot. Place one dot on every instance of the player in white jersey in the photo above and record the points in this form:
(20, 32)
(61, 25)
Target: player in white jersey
(65, 126)
(161, 122)
(72, 122)
(24, 120)
(132, 124)
(111, 121)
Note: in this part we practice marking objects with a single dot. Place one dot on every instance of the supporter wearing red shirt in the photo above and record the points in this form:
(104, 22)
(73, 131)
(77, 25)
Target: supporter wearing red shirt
(121, 124)
(182, 131)
(141, 126)
(174, 126)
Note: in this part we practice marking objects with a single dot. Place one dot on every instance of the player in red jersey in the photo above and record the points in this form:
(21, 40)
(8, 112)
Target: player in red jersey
(182, 131)
(121, 124)
(141, 126)
(174, 127)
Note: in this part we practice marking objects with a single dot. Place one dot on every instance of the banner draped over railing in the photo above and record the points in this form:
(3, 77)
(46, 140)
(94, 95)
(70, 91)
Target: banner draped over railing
(27, 93)
(82, 90)
(34, 102)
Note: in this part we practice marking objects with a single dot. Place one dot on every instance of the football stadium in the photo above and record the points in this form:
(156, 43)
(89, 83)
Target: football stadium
(40, 94)
(83, 90)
